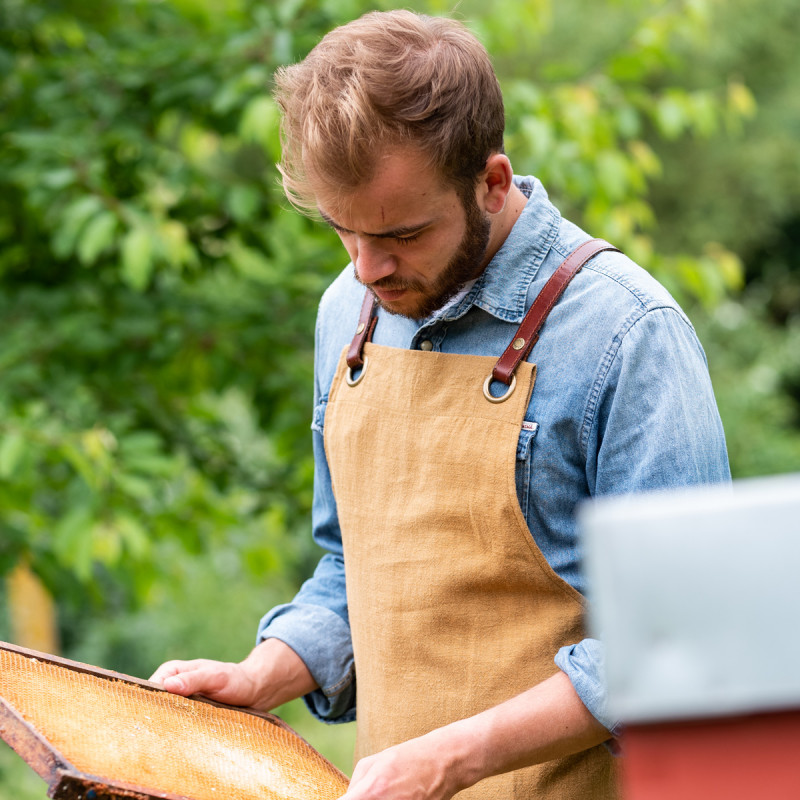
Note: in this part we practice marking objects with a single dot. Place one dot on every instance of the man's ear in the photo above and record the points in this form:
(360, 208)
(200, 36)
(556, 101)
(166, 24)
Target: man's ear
(496, 182)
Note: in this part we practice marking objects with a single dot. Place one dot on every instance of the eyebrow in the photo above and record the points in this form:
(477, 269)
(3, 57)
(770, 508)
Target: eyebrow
(394, 233)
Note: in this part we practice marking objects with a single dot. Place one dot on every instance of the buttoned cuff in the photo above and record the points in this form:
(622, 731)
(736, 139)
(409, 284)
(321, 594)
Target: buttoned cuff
(584, 665)
(322, 640)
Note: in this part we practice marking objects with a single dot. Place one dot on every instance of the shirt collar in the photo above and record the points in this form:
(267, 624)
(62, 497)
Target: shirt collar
(502, 288)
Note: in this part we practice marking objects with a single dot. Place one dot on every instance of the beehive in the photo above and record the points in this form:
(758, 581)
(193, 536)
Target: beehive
(695, 595)
(95, 734)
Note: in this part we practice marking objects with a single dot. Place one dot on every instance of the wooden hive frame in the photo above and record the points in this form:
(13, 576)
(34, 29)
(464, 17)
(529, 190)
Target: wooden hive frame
(67, 782)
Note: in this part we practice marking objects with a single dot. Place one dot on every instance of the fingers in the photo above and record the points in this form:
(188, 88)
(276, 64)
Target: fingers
(200, 676)
(170, 668)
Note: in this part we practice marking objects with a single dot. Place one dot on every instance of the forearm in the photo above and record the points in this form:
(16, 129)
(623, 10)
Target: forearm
(543, 723)
(546, 722)
(278, 674)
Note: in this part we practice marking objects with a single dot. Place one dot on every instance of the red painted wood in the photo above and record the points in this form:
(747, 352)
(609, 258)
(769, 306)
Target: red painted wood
(751, 757)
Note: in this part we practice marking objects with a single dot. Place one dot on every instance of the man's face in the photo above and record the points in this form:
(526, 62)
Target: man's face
(412, 240)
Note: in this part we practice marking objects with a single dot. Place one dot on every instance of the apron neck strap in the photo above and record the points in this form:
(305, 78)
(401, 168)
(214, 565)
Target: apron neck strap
(528, 332)
(366, 326)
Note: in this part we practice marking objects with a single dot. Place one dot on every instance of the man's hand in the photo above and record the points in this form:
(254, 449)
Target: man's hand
(271, 675)
(420, 769)
(223, 681)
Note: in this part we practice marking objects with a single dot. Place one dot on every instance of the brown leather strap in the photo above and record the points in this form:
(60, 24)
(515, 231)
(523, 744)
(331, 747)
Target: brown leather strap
(366, 325)
(528, 332)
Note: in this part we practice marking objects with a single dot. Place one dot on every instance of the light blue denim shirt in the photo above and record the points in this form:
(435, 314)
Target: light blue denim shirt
(622, 403)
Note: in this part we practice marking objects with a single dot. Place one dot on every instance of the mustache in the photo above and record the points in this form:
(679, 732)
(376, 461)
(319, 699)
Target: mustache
(390, 284)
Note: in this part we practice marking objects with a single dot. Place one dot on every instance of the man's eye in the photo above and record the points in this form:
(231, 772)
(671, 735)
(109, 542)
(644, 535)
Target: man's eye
(407, 239)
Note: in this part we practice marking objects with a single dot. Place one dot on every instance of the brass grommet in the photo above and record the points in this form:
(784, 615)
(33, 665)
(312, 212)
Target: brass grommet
(518, 344)
(348, 376)
(490, 397)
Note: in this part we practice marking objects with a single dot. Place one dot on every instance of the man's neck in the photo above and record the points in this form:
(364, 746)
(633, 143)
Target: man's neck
(503, 221)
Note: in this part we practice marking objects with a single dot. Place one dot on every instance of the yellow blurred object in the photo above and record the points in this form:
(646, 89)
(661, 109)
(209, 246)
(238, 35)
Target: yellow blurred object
(32, 611)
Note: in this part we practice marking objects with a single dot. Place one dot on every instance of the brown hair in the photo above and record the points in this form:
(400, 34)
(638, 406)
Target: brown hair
(387, 79)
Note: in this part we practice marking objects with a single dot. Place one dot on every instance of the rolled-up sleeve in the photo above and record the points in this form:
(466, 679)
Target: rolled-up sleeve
(329, 657)
(583, 663)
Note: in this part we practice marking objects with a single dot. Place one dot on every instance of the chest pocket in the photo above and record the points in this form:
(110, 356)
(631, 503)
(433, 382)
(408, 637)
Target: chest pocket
(523, 471)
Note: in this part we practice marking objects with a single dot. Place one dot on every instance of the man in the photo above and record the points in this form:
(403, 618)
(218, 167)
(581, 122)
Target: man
(452, 443)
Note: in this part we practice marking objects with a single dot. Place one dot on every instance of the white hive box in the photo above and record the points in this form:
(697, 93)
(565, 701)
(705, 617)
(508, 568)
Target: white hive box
(696, 594)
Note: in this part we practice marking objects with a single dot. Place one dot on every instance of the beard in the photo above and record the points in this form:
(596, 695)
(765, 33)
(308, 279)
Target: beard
(465, 265)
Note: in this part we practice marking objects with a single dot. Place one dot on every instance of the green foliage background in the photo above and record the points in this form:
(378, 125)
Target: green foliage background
(158, 297)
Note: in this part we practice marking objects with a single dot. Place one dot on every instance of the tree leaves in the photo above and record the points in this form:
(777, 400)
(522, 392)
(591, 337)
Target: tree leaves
(156, 319)
(12, 449)
(73, 220)
(137, 257)
(97, 236)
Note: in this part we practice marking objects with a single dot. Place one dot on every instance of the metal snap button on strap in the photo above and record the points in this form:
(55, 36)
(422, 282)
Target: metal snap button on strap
(528, 332)
(348, 376)
(490, 397)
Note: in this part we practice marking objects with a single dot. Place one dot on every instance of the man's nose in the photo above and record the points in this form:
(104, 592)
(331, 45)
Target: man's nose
(373, 262)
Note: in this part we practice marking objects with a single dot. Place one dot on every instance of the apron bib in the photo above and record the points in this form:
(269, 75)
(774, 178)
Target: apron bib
(453, 608)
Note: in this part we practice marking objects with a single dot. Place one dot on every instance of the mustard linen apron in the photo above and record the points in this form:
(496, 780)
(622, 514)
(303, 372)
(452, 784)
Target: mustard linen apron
(453, 608)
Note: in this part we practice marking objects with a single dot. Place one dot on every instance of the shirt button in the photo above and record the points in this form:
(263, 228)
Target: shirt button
(426, 345)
